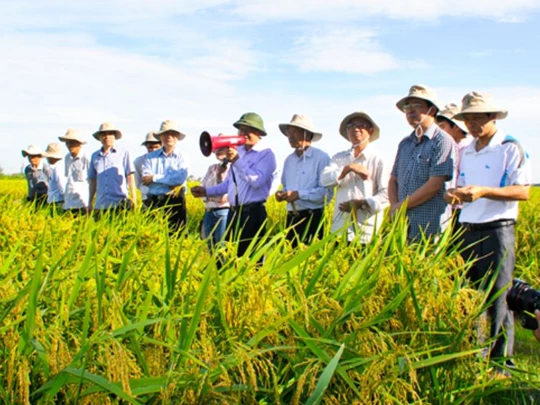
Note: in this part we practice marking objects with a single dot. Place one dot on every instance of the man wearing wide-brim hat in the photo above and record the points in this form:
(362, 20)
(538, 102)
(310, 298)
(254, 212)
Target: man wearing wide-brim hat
(57, 178)
(301, 188)
(247, 184)
(110, 174)
(37, 175)
(361, 178)
(76, 164)
(151, 143)
(495, 174)
(424, 163)
(165, 172)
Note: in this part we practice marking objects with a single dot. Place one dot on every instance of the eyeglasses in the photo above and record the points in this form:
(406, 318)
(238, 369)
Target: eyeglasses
(360, 125)
(413, 106)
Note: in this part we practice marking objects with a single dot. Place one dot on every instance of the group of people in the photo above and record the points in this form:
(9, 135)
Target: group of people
(456, 168)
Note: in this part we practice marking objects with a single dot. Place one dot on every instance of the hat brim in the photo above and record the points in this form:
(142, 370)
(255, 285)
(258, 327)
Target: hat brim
(343, 126)
(117, 134)
(179, 134)
(53, 155)
(64, 139)
(245, 124)
(25, 153)
(453, 121)
(316, 136)
(147, 142)
(500, 114)
(404, 100)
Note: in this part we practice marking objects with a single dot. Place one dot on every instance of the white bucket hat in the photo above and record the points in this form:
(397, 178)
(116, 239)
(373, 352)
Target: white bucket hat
(107, 127)
(449, 112)
(302, 122)
(72, 135)
(170, 125)
(32, 150)
(474, 103)
(422, 92)
(150, 138)
(54, 150)
(359, 114)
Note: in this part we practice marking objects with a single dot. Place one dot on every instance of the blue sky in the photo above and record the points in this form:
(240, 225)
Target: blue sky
(75, 64)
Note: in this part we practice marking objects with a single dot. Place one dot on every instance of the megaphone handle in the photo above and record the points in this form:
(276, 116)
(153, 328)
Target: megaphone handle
(294, 210)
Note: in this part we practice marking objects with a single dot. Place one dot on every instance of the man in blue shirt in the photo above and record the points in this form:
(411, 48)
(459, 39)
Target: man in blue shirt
(110, 174)
(165, 172)
(302, 189)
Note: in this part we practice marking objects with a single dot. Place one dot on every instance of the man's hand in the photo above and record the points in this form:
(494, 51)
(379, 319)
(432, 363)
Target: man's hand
(232, 155)
(451, 198)
(147, 180)
(198, 191)
(280, 195)
(394, 209)
(537, 330)
(469, 193)
(356, 168)
(351, 205)
(288, 196)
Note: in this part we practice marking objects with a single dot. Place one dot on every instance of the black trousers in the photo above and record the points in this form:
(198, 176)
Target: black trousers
(243, 224)
(124, 205)
(494, 256)
(173, 206)
(306, 224)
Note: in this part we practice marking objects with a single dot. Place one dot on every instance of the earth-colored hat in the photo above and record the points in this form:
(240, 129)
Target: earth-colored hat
(72, 135)
(32, 150)
(302, 122)
(169, 125)
(107, 127)
(359, 114)
(251, 120)
(474, 102)
(150, 138)
(422, 92)
(449, 112)
(54, 150)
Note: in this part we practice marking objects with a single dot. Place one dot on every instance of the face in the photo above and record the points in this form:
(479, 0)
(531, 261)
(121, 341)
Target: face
(74, 147)
(480, 124)
(251, 135)
(107, 139)
(34, 160)
(169, 139)
(454, 132)
(298, 138)
(359, 130)
(416, 110)
(152, 146)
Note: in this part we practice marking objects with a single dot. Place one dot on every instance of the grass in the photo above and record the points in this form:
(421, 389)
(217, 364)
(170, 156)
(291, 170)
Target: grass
(116, 312)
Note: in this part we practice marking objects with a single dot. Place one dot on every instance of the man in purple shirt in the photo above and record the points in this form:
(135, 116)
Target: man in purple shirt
(110, 174)
(247, 184)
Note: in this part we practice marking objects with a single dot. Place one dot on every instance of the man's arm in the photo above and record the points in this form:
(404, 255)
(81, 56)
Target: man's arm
(508, 193)
(393, 190)
(131, 186)
(259, 173)
(92, 183)
(426, 192)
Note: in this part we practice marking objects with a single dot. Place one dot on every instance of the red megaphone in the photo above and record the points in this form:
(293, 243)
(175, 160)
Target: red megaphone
(209, 143)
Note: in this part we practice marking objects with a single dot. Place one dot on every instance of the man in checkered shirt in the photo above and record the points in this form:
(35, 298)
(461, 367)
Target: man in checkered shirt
(424, 164)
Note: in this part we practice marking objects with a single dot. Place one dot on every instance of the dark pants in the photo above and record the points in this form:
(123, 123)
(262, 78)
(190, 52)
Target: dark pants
(494, 256)
(306, 224)
(77, 212)
(173, 206)
(243, 224)
(123, 205)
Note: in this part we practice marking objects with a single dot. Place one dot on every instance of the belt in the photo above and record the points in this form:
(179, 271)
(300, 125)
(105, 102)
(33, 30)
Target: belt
(247, 207)
(216, 209)
(306, 212)
(501, 223)
(157, 197)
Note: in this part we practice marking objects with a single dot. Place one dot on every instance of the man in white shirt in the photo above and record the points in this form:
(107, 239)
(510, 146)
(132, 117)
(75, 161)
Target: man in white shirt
(76, 165)
(361, 177)
(57, 179)
(494, 175)
(151, 143)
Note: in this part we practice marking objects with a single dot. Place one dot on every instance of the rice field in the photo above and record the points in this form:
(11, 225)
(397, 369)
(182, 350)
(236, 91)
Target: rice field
(115, 311)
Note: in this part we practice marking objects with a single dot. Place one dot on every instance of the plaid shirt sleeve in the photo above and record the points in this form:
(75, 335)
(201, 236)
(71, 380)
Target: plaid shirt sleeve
(443, 155)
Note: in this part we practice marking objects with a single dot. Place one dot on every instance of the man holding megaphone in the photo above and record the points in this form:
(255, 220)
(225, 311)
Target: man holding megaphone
(248, 182)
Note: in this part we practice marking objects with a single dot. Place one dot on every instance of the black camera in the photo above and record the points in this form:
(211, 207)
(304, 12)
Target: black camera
(522, 297)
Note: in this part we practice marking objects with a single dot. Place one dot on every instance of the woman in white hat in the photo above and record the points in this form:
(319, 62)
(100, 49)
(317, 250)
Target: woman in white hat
(57, 179)
(37, 175)
(361, 177)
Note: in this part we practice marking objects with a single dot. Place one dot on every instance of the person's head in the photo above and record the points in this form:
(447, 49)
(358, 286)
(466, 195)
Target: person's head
(251, 127)
(451, 128)
(300, 132)
(34, 160)
(359, 129)
(107, 134)
(480, 113)
(420, 105)
(73, 141)
(34, 155)
(151, 143)
(53, 153)
(169, 134)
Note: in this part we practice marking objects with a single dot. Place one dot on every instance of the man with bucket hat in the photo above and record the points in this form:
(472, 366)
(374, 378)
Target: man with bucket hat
(76, 164)
(57, 180)
(424, 163)
(37, 175)
(247, 184)
(361, 177)
(495, 174)
(306, 197)
(110, 174)
(165, 173)
(151, 143)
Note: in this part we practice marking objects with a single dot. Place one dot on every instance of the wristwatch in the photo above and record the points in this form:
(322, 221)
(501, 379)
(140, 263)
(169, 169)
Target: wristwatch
(364, 205)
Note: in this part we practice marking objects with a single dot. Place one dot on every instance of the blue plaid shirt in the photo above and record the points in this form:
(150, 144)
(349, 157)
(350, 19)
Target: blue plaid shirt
(418, 159)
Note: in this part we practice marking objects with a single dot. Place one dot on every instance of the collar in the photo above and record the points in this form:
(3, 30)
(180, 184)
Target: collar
(429, 133)
(307, 153)
(112, 150)
(258, 147)
(39, 167)
(161, 152)
(368, 150)
(495, 141)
